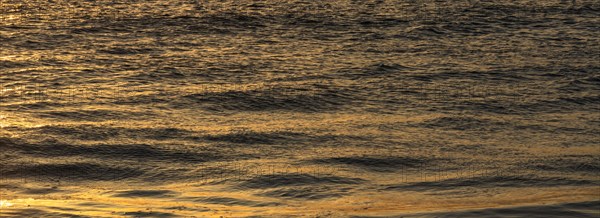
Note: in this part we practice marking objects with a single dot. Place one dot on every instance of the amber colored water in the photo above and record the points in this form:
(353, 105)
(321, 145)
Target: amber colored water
(184, 108)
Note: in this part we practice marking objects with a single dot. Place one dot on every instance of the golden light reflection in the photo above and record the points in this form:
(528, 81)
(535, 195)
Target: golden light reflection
(5, 203)
(294, 108)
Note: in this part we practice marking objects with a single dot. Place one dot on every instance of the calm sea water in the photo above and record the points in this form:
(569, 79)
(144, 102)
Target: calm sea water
(182, 108)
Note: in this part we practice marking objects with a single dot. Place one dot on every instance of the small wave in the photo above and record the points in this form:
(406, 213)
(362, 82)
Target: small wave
(308, 193)
(231, 201)
(92, 115)
(145, 194)
(120, 152)
(377, 70)
(579, 163)
(71, 172)
(491, 181)
(125, 51)
(43, 191)
(580, 209)
(37, 213)
(150, 214)
(377, 163)
(272, 100)
(96, 133)
(298, 179)
(464, 123)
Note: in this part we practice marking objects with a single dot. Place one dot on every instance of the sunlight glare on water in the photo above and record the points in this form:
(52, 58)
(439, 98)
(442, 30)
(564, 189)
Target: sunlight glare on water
(235, 108)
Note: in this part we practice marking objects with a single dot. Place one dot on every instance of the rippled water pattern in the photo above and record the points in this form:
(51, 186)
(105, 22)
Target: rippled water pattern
(198, 108)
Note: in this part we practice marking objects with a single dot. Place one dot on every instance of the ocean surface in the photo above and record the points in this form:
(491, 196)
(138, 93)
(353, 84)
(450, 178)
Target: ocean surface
(291, 108)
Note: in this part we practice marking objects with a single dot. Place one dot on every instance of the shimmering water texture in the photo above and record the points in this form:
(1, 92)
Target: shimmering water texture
(344, 108)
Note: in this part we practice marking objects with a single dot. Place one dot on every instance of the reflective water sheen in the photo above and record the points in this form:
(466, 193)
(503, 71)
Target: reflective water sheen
(182, 108)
